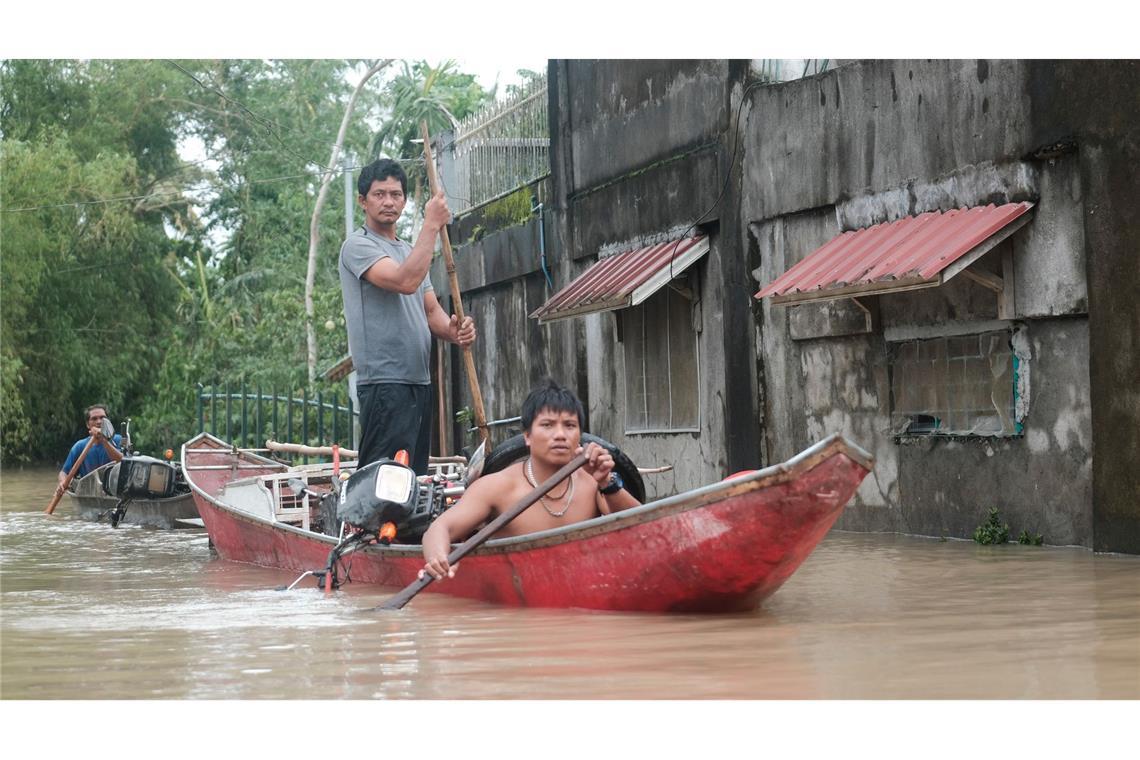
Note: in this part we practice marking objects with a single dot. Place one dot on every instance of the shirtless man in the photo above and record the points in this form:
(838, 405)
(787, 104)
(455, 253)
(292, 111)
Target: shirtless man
(552, 420)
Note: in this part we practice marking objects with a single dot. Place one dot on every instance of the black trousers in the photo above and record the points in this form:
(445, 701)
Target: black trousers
(395, 416)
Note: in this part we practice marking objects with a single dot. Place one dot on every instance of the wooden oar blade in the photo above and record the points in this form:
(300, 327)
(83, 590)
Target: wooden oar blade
(398, 601)
(475, 464)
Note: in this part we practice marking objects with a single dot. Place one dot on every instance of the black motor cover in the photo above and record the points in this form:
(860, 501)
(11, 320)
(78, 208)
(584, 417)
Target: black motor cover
(141, 477)
(364, 509)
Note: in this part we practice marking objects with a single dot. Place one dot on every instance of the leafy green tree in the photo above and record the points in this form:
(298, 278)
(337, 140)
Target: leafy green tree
(131, 275)
(439, 95)
(88, 148)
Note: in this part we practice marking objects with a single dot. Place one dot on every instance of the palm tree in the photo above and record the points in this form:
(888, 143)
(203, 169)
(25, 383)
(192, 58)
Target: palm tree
(439, 95)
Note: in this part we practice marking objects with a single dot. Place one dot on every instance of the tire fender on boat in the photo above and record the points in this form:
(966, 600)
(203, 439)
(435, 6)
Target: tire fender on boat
(514, 448)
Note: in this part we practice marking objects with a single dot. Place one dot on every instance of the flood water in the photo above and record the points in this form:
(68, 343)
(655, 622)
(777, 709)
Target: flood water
(96, 613)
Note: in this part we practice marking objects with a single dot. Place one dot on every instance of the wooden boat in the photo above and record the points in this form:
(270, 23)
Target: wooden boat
(721, 547)
(92, 502)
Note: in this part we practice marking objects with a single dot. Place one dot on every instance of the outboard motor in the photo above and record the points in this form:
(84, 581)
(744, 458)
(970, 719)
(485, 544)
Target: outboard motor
(141, 477)
(378, 493)
(138, 477)
(380, 501)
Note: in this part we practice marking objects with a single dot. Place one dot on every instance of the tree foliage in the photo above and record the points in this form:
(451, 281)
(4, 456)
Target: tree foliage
(131, 275)
(86, 299)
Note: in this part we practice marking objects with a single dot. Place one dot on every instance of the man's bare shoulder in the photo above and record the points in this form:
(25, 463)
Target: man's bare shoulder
(507, 477)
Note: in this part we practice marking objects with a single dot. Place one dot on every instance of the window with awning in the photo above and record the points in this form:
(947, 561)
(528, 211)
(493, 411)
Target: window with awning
(914, 252)
(653, 290)
(624, 279)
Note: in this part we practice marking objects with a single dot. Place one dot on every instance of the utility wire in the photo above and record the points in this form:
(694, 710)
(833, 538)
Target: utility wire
(727, 174)
(165, 193)
(270, 126)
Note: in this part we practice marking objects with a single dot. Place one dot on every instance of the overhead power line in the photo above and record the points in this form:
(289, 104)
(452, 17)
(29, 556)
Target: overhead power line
(270, 126)
(167, 193)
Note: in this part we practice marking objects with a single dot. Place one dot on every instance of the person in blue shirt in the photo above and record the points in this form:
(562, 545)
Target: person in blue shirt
(106, 451)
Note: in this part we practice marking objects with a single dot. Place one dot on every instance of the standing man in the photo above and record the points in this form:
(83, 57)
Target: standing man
(97, 456)
(391, 313)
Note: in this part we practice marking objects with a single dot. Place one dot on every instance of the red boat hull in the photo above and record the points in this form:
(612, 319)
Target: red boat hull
(720, 548)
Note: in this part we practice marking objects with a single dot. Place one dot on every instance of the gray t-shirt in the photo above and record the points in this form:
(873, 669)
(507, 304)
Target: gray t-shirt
(388, 334)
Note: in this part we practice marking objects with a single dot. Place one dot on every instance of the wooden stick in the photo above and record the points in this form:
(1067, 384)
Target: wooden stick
(312, 451)
(345, 454)
(67, 480)
(473, 543)
(442, 421)
(457, 300)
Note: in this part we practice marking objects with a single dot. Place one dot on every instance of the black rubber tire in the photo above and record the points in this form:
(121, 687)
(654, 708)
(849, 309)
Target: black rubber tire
(514, 448)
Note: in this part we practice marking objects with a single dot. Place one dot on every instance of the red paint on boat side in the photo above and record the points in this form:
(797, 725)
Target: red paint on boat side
(721, 556)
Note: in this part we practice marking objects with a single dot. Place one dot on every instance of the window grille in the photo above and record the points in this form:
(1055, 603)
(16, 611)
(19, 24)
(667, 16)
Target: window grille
(662, 377)
(962, 385)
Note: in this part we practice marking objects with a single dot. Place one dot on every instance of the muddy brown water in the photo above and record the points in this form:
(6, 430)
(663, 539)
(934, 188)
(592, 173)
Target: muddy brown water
(95, 613)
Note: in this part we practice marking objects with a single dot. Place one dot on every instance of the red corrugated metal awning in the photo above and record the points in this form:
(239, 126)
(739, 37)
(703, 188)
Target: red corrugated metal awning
(914, 252)
(624, 279)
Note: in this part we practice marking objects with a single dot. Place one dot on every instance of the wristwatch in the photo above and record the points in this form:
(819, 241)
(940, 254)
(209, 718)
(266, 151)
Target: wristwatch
(615, 484)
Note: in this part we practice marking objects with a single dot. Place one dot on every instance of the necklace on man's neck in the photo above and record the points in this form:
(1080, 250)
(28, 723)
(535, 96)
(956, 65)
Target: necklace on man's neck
(568, 494)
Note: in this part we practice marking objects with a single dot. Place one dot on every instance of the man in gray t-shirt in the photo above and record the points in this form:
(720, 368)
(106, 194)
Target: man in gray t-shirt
(391, 312)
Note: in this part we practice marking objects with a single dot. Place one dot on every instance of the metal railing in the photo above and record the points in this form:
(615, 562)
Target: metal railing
(498, 150)
(776, 70)
(248, 417)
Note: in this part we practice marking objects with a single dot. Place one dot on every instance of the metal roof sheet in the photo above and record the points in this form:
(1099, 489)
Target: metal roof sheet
(915, 251)
(624, 279)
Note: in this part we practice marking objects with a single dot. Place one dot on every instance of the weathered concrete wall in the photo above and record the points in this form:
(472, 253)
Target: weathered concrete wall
(1098, 104)
(642, 148)
(629, 115)
(908, 137)
(1040, 482)
(872, 125)
(502, 282)
(641, 154)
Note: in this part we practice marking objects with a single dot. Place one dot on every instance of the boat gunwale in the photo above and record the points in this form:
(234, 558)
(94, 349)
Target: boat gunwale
(719, 491)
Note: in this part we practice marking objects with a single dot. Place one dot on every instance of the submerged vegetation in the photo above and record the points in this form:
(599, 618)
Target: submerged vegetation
(994, 531)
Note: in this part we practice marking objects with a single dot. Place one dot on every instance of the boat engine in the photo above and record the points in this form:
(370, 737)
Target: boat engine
(141, 477)
(389, 492)
(378, 493)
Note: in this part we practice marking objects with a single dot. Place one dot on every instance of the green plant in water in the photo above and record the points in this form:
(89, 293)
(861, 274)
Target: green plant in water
(1030, 539)
(992, 531)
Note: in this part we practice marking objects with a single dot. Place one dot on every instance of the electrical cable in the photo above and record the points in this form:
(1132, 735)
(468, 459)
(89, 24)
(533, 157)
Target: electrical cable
(728, 173)
(165, 193)
(270, 126)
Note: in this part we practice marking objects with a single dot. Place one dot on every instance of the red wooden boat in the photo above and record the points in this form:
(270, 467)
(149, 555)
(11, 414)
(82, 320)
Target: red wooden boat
(722, 547)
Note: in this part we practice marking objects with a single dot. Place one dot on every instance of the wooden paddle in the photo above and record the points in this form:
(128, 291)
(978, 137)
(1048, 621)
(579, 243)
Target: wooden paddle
(449, 261)
(473, 543)
(67, 480)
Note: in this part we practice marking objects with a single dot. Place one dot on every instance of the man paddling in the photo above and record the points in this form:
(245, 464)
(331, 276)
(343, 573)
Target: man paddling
(97, 456)
(552, 422)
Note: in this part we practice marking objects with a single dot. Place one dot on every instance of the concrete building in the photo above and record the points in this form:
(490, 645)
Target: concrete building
(1009, 379)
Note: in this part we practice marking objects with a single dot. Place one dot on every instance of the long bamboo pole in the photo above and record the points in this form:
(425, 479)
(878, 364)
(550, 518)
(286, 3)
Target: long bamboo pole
(457, 300)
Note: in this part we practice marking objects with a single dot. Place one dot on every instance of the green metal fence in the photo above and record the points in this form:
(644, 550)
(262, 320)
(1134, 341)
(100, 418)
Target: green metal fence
(247, 417)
